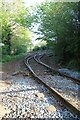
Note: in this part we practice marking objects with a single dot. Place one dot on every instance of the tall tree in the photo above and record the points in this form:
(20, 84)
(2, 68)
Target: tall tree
(59, 24)
(14, 26)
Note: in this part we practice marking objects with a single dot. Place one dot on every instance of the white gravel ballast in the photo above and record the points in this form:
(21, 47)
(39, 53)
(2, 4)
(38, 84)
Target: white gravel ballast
(26, 98)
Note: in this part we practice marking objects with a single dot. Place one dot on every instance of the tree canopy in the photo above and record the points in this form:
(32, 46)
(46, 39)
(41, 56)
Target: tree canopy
(59, 25)
(14, 22)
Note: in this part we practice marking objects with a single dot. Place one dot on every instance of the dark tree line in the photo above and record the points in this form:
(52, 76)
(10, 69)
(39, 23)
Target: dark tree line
(60, 27)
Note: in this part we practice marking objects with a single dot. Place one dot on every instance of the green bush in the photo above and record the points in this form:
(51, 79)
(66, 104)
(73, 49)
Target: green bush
(74, 64)
(36, 48)
(6, 58)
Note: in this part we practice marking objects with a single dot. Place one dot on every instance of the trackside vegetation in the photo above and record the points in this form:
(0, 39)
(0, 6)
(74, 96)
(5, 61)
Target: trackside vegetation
(58, 25)
(14, 35)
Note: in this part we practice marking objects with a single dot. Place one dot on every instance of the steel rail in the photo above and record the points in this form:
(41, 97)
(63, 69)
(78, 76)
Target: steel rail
(57, 71)
(54, 92)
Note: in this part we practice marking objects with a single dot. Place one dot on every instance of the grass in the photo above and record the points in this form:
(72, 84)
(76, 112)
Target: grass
(7, 58)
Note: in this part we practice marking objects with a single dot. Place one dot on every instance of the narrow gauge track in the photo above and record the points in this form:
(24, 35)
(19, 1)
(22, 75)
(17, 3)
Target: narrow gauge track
(69, 88)
(76, 80)
(38, 71)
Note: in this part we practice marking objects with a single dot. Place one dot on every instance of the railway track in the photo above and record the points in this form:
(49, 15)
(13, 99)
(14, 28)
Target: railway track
(40, 71)
(76, 80)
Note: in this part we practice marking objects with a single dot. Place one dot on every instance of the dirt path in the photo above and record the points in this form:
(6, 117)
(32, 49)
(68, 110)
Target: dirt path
(11, 67)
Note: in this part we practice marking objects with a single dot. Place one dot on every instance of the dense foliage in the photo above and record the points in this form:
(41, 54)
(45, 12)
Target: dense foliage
(59, 25)
(15, 34)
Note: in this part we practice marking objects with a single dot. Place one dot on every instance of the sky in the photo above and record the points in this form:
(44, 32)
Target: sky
(29, 3)
(32, 2)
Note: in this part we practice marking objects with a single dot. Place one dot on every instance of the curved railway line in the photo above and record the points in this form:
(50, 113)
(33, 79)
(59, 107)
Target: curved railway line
(40, 70)
(76, 80)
